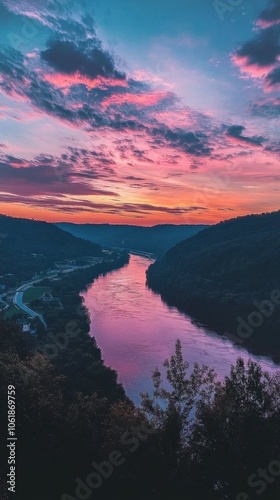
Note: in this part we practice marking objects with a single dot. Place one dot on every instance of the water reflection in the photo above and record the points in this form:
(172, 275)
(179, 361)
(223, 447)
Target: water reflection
(136, 331)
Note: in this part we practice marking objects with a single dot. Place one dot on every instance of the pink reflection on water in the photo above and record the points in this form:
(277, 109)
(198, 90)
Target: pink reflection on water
(136, 331)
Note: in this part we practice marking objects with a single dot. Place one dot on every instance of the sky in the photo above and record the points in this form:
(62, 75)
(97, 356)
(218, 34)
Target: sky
(139, 112)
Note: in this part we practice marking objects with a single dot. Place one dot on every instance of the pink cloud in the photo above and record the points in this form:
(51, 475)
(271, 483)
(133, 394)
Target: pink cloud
(31, 55)
(240, 141)
(63, 81)
(151, 78)
(175, 118)
(263, 24)
(252, 70)
(139, 100)
(19, 164)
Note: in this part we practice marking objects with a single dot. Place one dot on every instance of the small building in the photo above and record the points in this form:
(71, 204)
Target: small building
(27, 325)
(28, 328)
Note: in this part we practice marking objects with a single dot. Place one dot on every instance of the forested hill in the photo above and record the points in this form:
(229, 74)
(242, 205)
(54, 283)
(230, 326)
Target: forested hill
(27, 246)
(157, 239)
(218, 274)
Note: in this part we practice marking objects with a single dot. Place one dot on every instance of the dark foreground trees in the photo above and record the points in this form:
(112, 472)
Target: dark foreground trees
(193, 438)
(220, 439)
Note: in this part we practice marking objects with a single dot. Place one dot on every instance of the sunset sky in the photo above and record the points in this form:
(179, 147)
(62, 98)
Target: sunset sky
(139, 111)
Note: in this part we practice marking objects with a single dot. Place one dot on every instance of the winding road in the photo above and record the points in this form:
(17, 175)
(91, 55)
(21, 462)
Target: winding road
(18, 301)
(18, 297)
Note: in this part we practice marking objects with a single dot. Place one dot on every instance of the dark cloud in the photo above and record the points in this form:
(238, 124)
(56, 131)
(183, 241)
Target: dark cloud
(264, 49)
(189, 142)
(59, 203)
(89, 108)
(236, 131)
(273, 78)
(146, 209)
(48, 176)
(67, 57)
(132, 178)
(274, 148)
(160, 135)
(259, 57)
(12, 66)
(270, 15)
(152, 186)
(266, 109)
(65, 205)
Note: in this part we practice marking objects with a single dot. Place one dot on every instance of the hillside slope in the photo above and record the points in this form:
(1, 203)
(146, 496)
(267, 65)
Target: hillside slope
(27, 246)
(218, 275)
(156, 239)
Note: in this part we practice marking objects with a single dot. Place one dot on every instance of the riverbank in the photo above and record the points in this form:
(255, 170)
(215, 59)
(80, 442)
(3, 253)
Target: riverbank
(225, 324)
(69, 288)
(227, 277)
(75, 421)
(137, 331)
(32, 313)
(66, 341)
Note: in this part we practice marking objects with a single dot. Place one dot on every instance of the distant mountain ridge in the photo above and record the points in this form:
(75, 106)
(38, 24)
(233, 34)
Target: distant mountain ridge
(226, 276)
(28, 246)
(156, 239)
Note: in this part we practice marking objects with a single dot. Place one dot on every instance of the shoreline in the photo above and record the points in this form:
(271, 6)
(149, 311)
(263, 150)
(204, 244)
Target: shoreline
(254, 348)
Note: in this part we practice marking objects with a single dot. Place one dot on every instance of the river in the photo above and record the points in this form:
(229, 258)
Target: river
(136, 331)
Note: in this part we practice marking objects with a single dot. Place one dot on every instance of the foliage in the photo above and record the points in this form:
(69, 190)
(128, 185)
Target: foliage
(219, 274)
(156, 239)
(28, 246)
(205, 438)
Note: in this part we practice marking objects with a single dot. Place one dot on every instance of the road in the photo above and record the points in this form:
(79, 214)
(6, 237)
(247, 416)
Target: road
(18, 301)
(18, 297)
